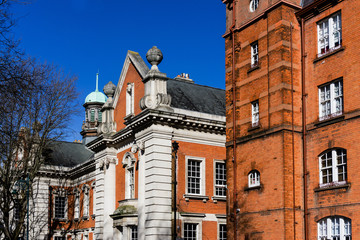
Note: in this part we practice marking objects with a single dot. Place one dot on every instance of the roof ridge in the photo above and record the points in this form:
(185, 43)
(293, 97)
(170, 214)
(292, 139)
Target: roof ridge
(193, 83)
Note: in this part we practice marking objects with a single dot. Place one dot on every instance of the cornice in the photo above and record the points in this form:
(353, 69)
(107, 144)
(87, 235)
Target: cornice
(315, 8)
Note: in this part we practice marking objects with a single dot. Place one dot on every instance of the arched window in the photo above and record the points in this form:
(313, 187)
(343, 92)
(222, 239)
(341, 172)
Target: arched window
(129, 165)
(254, 178)
(254, 5)
(333, 167)
(336, 227)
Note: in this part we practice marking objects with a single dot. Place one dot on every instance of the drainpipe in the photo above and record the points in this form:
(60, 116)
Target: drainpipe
(305, 173)
(175, 147)
(292, 125)
(235, 206)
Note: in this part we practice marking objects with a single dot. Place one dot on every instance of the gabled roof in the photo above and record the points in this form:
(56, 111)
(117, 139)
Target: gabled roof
(194, 97)
(67, 154)
(184, 95)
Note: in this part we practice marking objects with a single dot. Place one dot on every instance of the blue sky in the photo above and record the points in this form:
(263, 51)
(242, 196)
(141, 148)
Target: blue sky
(82, 36)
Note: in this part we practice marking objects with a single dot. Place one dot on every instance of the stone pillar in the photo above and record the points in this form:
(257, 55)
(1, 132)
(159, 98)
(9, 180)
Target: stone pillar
(155, 204)
(105, 193)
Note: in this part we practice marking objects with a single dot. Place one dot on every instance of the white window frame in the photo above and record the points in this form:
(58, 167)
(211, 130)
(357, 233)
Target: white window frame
(331, 100)
(130, 182)
(219, 186)
(254, 178)
(255, 116)
(130, 99)
(331, 156)
(254, 54)
(130, 232)
(60, 193)
(221, 221)
(202, 175)
(329, 34)
(336, 227)
(254, 4)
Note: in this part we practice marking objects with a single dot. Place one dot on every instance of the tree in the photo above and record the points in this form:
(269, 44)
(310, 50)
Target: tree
(38, 101)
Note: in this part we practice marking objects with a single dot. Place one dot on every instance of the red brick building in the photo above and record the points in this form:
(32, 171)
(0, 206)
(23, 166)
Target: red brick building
(292, 118)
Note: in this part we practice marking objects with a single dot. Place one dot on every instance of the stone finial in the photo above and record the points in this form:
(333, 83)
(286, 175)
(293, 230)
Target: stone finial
(109, 89)
(154, 57)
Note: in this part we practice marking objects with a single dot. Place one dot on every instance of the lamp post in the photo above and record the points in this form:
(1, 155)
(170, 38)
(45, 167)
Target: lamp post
(20, 182)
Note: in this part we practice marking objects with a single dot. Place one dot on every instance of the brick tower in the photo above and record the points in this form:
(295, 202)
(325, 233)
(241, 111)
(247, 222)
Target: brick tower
(263, 97)
(292, 82)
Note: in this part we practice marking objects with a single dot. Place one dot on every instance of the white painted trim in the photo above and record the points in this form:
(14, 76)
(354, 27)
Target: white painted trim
(202, 174)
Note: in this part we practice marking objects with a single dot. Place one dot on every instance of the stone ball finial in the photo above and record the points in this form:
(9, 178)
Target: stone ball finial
(109, 89)
(154, 56)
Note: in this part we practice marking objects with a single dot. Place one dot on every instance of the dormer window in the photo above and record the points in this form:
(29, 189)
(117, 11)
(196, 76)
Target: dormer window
(254, 5)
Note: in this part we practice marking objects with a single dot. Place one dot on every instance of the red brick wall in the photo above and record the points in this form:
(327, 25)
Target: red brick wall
(132, 76)
(266, 212)
(342, 134)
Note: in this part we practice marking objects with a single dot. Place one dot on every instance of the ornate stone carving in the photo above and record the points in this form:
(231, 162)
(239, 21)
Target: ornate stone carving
(109, 89)
(156, 96)
(154, 57)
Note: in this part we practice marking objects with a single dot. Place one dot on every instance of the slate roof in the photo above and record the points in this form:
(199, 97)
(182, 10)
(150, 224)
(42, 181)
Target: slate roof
(307, 2)
(196, 97)
(67, 154)
(186, 95)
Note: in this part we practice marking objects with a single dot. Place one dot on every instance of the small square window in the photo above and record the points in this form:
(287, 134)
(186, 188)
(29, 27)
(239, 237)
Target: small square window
(254, 179)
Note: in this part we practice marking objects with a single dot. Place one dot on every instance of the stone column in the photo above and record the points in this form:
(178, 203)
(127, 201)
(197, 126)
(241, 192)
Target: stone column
(105, 193)
(155, 204)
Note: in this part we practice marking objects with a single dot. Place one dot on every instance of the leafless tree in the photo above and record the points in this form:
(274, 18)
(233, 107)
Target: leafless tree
(37, 101)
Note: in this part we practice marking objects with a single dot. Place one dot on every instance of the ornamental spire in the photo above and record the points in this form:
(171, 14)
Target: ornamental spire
(97, 82)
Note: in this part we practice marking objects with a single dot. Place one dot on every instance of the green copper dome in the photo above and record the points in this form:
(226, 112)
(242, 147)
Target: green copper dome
(96, 96)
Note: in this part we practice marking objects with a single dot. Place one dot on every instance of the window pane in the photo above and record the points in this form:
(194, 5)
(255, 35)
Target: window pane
(60, 207)
(194, 179)
(220, 179)
(222, 232)
(190, 231)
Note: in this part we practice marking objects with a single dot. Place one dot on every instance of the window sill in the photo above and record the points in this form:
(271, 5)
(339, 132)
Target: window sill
(194, 196)
(218, 198)
(85, 217)
(253, 68)
(129, 116)
(254, 127)
(60, 219)
(328, 54)
(329, 121)
(332, 187)
(253, 188)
